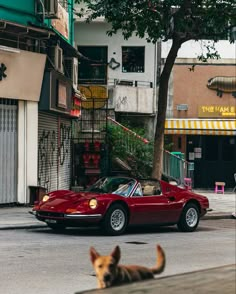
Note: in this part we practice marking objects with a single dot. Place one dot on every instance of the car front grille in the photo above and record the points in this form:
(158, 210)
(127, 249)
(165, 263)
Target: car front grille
(50, 214)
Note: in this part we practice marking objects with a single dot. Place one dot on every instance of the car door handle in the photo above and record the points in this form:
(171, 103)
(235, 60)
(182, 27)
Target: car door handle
(171, 198)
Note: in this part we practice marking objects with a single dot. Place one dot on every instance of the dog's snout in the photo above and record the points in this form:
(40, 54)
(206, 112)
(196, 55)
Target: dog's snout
(107, 277)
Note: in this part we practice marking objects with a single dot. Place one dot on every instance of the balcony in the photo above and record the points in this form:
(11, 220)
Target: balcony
(132, 96)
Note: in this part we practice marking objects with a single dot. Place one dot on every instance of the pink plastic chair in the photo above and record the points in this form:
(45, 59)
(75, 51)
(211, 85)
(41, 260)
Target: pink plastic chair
(220, 187)
(188, 183)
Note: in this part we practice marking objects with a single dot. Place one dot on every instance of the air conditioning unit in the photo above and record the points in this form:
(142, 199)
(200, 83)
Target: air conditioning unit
(71, 70)
(56, 56)
(47, 8)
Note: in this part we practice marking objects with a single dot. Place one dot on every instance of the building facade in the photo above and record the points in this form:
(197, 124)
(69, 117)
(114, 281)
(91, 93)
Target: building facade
(38, 95)
(127, 68)
(201, 115)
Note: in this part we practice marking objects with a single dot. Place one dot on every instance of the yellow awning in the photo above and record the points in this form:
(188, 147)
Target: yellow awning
(201, 126)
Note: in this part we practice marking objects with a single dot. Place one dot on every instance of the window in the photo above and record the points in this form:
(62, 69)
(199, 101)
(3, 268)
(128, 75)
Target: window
(133, 59)
(138, 191)
(92, 65)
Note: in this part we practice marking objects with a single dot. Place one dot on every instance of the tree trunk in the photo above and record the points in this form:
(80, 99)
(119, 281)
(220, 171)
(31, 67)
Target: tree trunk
(162, 106)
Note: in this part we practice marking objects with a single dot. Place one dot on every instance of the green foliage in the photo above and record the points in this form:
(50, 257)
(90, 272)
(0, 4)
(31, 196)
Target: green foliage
(130, 149)
(158, 19)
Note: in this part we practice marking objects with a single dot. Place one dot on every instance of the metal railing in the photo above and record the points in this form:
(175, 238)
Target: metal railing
(173, 167)
(131, 83)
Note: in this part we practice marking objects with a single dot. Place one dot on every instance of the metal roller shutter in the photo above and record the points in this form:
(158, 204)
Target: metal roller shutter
(64, 157)
(8, 151)
(48, 151)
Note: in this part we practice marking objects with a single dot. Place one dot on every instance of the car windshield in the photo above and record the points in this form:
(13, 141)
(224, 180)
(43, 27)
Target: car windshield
(113, 185)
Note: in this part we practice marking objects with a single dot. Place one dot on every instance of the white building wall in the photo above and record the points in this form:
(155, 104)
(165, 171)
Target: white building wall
(27, 148)
(94, 34)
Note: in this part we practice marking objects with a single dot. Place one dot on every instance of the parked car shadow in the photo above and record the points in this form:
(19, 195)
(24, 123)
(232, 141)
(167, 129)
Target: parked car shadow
(96, 231)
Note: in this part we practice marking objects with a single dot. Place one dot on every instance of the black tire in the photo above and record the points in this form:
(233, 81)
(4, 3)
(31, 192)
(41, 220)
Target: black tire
(115, 221)
(56, 227)
(189, 218)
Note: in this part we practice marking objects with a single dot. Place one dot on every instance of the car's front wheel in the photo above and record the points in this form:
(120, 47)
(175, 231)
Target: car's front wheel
(116, 220)
(189, 218)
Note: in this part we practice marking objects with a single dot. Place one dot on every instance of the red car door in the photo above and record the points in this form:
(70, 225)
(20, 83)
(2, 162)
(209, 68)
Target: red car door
(154, 209)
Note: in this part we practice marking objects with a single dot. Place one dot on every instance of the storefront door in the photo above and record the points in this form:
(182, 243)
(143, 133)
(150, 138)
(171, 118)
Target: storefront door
(8, 151)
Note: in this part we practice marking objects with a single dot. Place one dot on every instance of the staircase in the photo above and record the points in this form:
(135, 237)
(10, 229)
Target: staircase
(134, 154)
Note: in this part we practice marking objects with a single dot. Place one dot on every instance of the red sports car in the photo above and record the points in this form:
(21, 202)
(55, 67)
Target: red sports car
(113, 203)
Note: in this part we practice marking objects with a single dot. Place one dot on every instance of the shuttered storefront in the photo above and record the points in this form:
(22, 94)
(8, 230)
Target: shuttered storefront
(8, 151)
(54, 155)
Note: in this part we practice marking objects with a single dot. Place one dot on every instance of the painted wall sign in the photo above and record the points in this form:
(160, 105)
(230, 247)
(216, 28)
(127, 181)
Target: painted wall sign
(223, 84)
(217, 111)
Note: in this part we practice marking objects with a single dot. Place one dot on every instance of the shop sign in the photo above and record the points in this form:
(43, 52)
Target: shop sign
(76, 107)
(18, 78)
(62, 95)
(217, 111)
(61, 24)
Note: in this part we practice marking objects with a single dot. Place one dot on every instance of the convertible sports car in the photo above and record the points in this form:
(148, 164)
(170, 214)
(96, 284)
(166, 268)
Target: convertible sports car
(113, 203)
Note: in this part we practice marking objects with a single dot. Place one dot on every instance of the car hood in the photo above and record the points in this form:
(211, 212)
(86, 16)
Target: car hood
(60, 200)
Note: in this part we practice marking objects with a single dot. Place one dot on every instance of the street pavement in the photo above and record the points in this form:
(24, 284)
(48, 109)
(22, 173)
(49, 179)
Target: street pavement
(18, 217)
(213, 280)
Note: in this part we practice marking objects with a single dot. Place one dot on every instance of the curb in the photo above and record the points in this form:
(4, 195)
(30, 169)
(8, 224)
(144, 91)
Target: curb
(216, 216)
(22, 227)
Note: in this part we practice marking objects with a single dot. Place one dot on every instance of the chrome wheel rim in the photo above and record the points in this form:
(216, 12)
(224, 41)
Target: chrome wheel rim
(191, 217)
(117, 220)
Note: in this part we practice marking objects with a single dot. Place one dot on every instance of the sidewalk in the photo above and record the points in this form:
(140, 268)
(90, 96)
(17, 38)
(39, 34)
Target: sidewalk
(18, 217)
(220, 280)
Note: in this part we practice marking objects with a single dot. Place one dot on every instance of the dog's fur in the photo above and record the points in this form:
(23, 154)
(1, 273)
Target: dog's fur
(110, 273)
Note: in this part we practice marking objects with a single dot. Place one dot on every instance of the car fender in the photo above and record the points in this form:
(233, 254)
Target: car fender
(194, 201)
(117, 201)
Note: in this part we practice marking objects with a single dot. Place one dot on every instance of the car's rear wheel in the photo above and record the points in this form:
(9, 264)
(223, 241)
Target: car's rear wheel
(116, 220)
(189, 218)
(56, 227)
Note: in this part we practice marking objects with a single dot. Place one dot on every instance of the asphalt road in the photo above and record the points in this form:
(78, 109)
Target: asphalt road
(40, 261)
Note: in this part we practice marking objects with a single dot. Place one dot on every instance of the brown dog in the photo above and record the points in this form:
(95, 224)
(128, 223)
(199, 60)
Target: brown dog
(110, 273)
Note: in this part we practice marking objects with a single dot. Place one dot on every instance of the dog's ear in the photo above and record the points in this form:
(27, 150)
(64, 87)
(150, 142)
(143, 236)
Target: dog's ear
(93, 254)
(116, 254)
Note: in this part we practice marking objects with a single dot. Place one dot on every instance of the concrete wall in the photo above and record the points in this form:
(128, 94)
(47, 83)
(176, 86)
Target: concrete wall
(27, 149)
(133, 99)
(190, 86)
(181, 91)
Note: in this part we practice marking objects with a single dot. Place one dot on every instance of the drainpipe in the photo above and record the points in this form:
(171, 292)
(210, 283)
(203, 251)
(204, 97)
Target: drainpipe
(157, 72)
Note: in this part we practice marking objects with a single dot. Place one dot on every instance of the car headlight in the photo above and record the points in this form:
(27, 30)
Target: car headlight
(45, 198)
(93, 203)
